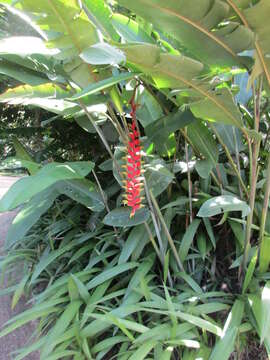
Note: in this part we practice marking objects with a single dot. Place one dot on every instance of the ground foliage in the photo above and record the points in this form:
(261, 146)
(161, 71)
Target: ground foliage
(188, 276)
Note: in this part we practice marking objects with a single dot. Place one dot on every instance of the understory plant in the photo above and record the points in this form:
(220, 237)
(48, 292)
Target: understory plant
(142, 229)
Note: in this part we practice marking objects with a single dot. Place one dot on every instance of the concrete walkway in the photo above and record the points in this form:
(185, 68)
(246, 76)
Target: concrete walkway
(20, 337)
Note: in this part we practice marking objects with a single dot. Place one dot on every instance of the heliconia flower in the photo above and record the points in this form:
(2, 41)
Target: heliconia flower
(133, 184)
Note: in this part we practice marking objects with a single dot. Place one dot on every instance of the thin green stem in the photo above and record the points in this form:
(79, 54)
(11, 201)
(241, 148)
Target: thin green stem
(167, 233)
(265, 208)
(230, 159)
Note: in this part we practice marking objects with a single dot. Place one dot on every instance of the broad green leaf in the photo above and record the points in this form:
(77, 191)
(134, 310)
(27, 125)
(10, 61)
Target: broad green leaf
(47, 96)
(22, 154)
(27, 187)
(181, 73)
(256, 18)
(102, 54)
(202, 140)
(74, 31)
(103, 84)
(130, 30)
(29, 215)
(220, 204)
(159, 131)
(83, 191)
(121, 217)
(157, 176)
(100, 14)
(187, 239)
(225, 345)
(192, 23)
(22, 74)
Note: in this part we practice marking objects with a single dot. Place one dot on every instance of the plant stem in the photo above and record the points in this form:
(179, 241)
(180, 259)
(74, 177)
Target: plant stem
(101, 135)
(254, 173)
(189, 181)
(167, 233)
(265, 208)
(234, 167)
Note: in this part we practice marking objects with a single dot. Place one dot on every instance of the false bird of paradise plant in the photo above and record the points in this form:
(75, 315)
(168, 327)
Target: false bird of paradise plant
(133, 168)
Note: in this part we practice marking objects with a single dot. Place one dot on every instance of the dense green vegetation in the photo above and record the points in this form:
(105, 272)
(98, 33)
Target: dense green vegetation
(188, 276)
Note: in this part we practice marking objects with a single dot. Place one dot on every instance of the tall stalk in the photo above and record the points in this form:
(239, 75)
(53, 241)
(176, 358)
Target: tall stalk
(264, 214)
(254, 173)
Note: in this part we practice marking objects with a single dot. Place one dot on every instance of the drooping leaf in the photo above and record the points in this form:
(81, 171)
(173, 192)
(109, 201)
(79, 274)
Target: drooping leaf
(181, 73)
(220, 204)
(102, 54)
(130, 30)
(25, 188)
(121, 217)
(192, 23)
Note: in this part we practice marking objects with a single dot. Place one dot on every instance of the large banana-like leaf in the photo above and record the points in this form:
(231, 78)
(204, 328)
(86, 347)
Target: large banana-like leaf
(196, 24)
(47, 96)
(69, 30)
(181, 73)
(256, 18)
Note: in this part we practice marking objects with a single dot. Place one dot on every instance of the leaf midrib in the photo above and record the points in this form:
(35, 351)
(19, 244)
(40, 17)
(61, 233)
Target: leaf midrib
(193, 24)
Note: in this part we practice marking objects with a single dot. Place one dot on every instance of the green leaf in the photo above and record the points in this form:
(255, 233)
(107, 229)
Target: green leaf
(193, 23)
(181, 73)
(225, 346)
(22, 74)
(27, 187)
(143, 351)
(220, 204)
(187, 239)
(202, 140)
(110, 273)
(29, 315)
(121, 217)
(135, 236)
(19, 291)
(250, 271)
(59, 328)
(29, 215)
(102, 54)
(157, 176)
(256, 18)
(201, 323)
(47, 259)
(101, 16)
(159, 130)
(103, 84)
(130, 30)
(264, 259)
(83, 191)
(47, 96)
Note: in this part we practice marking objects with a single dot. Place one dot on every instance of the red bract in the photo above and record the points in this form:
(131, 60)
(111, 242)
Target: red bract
(133, 166)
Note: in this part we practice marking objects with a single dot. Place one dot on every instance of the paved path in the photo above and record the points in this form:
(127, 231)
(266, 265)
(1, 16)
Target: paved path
(20, 337)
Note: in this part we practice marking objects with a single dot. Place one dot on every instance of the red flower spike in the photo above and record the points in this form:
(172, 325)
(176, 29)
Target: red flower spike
(133, 166)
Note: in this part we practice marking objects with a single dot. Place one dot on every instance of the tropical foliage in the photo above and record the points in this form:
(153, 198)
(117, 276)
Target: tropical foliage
(186, 277)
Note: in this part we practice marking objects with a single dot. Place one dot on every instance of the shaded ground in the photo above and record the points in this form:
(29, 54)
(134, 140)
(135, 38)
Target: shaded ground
(20, 337)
